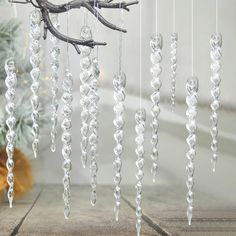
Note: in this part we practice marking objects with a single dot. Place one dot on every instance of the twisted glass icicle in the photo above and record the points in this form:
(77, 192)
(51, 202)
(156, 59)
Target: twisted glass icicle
(11, 82)
(66, 138)
(119, 83)
(216, 54)
(174, 45)
(93, 129)
(140, 118)
(85, 77)
(191, 113)
(55, 53)
(35, 34)
(156, 58)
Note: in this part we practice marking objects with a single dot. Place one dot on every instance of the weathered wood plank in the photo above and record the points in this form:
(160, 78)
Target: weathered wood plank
(166, 208)
(10, 219)
(46, 218)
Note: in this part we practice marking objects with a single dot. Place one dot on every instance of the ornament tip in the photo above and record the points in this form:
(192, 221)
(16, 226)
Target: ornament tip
(214, 168)
(53, 148)
(190, 221)
(35, 155)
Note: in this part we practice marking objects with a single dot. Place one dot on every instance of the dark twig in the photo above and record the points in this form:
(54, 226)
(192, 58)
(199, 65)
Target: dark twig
(47, 7)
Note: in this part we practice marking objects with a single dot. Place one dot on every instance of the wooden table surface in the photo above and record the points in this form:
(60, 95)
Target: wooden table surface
(41, 213)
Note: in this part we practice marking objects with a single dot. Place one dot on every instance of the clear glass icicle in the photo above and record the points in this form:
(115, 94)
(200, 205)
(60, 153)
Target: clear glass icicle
(85, 77)
(55, 53)
(216, 55)
(35, 34)
(156, 58)
(191, 113)
(119, 83)
(66, 126)
(140, 118)
(93, 129)
(11, 82)
(174, 45)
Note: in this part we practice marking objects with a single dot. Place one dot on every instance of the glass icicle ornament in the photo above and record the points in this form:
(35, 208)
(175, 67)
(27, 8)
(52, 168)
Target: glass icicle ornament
(93, 129)
(191, 113)
(85, 77)
(140, 118)
(156, 58)
(11, 82)
(35, 34)
(66, 126)
(174, 45)
(119, 83)
(55, 53)
(216, 55)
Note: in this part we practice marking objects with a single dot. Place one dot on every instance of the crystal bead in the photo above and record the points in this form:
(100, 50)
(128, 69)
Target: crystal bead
(156, 57)
(85, 62)
(192, 85)
(156, 42)
(35, 17)
(86, 33)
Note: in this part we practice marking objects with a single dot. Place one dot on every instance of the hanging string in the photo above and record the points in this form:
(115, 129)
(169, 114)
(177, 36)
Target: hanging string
(121, 38)
(85, 17)
(156, 16)
(13, 14)
(97, 30)
(67, 32)
(95, 22)
(217, 16)
(174, 15)
(192, 35)
(140, 56)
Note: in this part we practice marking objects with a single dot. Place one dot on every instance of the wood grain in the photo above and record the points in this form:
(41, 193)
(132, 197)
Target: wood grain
(41, 213)
(165, 206)
(46, 218)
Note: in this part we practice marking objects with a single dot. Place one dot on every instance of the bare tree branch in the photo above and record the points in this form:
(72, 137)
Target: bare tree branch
(92, 6)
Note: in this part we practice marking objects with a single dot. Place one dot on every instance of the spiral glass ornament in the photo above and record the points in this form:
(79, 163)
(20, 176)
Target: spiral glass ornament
(35, 34)
(191, 113)
(85, 77)
(156, 58)
(66, 126)
(140, 118)
(55, 53)
(174, 45)
(119, 83)
(216, 55)
(93, 129)
(11, 82)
